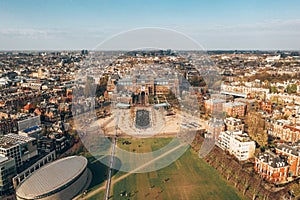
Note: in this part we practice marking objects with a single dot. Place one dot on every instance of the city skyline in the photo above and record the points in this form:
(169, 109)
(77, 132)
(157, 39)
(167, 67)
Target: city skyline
(216, 25)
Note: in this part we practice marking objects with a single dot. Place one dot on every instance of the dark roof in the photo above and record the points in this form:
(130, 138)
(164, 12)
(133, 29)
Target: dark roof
(289, 149)
(115, 76)
(272, 159)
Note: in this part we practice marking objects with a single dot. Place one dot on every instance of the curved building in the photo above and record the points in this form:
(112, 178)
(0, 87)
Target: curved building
(61, 179)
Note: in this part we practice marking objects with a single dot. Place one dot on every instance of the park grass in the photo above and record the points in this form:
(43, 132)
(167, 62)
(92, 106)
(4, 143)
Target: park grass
(98, 169)
(143, 145)
(99, 195)
(187, 178)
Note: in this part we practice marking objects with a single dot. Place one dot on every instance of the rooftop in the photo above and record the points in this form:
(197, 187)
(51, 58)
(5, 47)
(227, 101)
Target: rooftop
(12, 139)
(233, 121)
(3, 159)
(233, 104)
(216, 101)
(242, 138)
(288, 149)
(31, 129)
(51, 177)
(272, 159)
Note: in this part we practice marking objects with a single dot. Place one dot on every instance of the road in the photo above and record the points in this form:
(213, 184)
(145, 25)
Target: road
(108, 183)
(112, 155)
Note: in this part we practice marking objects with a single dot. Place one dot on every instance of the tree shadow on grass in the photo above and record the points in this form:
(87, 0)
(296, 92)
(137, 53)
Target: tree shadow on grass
(100, 170)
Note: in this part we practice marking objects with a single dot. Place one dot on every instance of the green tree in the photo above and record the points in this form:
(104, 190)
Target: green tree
(291, 88)
(273, 89)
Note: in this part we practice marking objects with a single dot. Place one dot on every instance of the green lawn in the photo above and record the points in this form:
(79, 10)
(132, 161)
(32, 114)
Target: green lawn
(187, 178)
(98, 196)
(143, 145)
(98, 169)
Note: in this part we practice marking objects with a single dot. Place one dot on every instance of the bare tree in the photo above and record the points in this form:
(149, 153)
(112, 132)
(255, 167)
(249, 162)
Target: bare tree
(246, 183)
(237, 178)
(266, 196)
(229, 173)
(256, 128)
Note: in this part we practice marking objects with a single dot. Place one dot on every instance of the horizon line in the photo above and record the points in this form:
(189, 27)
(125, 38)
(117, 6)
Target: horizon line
(128, 50)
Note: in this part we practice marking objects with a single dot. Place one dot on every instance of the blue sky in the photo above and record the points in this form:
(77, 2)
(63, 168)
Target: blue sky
(216, 24)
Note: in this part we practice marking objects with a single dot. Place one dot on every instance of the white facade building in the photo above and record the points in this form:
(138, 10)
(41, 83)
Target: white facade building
(28, 122)
(19, 147)
(237, 143)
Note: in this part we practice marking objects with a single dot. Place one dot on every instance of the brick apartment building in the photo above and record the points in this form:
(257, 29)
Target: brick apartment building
(272, 167)
(214, 106)
(283, 130)
(234, 109)
(293, 157)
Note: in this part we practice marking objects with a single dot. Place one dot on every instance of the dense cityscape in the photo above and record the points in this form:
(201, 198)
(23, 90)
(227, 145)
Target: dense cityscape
(149, 100)
(253, 119)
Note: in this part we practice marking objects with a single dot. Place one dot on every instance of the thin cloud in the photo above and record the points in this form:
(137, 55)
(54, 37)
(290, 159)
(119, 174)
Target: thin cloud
(29, 33)
(277, 24)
